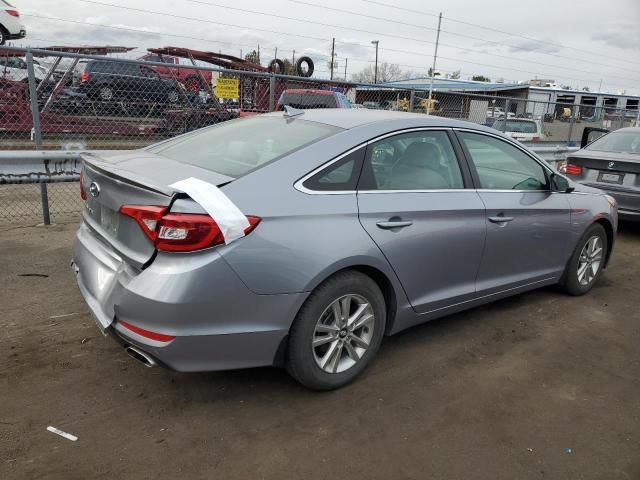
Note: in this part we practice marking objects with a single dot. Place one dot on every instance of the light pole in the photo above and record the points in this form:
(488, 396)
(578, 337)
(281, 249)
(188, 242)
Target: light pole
(375, 72)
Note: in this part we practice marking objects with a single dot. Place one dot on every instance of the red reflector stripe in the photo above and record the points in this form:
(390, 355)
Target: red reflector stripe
(158, 337)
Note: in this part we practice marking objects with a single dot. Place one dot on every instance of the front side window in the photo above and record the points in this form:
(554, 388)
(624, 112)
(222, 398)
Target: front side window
(422, 160)
(236, 147)
(501, 166)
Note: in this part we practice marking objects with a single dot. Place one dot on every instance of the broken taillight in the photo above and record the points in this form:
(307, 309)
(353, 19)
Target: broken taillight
(179, 232)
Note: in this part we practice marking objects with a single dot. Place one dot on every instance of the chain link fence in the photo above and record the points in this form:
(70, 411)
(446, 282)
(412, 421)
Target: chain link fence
(61, 100)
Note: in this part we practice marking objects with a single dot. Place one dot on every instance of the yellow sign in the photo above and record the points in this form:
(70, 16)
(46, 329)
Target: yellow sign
(227, 87)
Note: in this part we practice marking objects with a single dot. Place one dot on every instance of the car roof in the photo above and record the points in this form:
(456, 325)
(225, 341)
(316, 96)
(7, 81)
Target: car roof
(350, 118)
(628, 129)
(309, 90)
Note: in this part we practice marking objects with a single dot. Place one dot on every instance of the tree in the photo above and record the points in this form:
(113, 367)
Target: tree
(585, 89)
(252, 57)
(455, 75)
(387, 72)
(431, 74)
(480, 78)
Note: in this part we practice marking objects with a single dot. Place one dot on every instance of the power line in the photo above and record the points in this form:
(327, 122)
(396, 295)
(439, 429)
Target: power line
(244, 10)
(272, 31)
(472, 38)
(504, 32)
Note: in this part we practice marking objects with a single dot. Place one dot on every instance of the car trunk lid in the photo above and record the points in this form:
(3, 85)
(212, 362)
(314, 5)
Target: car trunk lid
(113, 180)
(619, 170)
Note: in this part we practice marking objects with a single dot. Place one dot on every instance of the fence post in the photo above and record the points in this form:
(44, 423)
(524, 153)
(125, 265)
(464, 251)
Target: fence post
(37, 132)
(272, 93)
(571, 122)
(412, 98)
(506, 115)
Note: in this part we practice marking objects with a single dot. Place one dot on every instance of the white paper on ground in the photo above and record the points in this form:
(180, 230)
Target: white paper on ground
(66, 435)
(230, 219)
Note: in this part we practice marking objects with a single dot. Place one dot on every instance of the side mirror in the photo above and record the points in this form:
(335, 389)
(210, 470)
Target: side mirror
(560, 184)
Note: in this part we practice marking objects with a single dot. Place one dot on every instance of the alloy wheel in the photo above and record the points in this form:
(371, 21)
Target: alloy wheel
(173, 96)
(343, 333)
(106, 94)
(590, 260)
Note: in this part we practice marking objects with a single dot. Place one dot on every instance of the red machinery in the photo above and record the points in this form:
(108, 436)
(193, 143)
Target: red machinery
(254, 90)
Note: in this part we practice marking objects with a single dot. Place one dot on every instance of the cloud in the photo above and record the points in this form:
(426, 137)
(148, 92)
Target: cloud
(625, 36)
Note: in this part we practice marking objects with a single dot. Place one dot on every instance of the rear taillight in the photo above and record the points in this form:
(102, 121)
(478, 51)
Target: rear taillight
(13, 13)
(84, 77)
(179, 232)
(571, 169)
(83, 194)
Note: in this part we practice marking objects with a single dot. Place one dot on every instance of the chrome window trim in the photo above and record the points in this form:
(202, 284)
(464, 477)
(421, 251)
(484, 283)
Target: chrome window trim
(298, 185)
(546, 167)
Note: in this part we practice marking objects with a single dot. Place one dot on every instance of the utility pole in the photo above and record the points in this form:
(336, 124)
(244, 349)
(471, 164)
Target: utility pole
(258, 53)
(433, 68)
(275, 54)
(346, 60)
(333, 50)
(293, 58)
(375, 72)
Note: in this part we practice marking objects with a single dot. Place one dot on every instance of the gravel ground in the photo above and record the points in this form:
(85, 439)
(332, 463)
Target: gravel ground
(499, 392)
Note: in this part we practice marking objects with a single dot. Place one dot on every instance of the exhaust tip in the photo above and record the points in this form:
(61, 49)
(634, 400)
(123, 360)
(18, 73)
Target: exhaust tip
(141, 356)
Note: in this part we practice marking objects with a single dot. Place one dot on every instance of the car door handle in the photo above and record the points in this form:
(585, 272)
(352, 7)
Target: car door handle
(394, 224)
(500, 219)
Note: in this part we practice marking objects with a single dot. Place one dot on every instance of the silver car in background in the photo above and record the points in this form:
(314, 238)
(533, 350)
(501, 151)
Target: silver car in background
(360, 224)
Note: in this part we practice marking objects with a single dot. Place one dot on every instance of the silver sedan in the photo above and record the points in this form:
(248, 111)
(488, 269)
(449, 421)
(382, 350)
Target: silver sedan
(301, 239)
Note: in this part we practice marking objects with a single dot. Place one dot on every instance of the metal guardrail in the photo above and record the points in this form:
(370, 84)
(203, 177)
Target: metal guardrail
(43, 167)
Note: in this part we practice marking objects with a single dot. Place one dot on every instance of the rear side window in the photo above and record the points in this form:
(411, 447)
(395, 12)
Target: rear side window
(501, 166)
(516, 126)
(423, 160)
(237, 147)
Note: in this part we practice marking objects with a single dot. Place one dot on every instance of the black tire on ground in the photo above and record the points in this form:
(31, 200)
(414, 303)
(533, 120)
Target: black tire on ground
(276, 66)
(570, 282)
(3, 35)
(300, 70)
(300, 361)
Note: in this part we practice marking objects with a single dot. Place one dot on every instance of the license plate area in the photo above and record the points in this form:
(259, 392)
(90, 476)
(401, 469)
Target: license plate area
(614, 178)
(109, 219)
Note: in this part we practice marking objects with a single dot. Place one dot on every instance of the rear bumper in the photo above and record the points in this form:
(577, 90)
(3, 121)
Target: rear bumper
(218, 323)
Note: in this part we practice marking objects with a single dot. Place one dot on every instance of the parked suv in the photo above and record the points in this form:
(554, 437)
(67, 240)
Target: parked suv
(194, 80)
(15, 68)
(110, 80)
(310, 98)
(10, 25)
(521, 129)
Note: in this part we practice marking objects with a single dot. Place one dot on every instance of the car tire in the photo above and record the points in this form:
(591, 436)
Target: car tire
(105, 94)
(326, 352)
(300, 70)
(587, 261)
(276, 66)
(173, 96)
(3, 35)
(193, 84)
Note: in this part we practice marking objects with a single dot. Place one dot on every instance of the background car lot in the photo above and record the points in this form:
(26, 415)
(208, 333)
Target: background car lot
(497, 392)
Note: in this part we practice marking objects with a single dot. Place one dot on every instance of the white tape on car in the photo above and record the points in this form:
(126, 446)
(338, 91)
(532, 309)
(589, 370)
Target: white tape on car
(230, 219)
(66, 435)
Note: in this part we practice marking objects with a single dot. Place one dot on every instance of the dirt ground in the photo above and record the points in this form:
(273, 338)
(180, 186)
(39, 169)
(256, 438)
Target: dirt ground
(538, 386)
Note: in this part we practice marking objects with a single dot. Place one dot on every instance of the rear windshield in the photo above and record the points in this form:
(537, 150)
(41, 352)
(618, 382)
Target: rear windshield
(516, 126)
(307, 100)
(619, 142)
(237, 147)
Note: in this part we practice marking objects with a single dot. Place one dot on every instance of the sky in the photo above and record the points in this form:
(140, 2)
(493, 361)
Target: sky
(580, 44)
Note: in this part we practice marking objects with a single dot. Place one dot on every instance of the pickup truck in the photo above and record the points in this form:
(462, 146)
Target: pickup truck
(192, 78)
